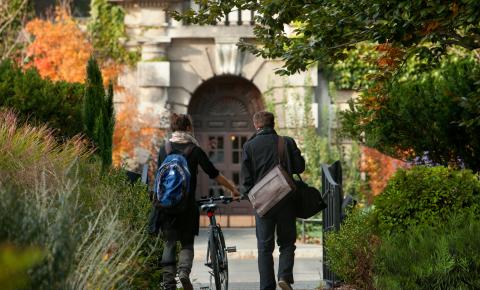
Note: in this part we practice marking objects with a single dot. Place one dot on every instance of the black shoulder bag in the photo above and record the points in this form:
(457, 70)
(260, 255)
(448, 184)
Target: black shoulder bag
(308, 200)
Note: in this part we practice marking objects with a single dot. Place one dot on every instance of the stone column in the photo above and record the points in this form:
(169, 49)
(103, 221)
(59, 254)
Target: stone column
(153, 79)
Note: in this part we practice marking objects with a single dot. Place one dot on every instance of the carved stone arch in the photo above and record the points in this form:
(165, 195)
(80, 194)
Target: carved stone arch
(224, 101)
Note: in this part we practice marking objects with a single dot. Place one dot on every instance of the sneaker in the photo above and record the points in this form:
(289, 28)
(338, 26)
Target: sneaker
(284, 285)
(185, 280)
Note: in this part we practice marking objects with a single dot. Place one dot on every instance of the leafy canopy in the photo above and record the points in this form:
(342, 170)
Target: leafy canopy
(322, 30)
(428, 116)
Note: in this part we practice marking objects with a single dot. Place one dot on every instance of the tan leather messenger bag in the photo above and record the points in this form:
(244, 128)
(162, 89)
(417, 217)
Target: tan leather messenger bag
(274, 187)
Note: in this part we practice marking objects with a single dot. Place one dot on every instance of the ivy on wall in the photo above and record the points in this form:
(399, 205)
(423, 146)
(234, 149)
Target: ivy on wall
(107, 32)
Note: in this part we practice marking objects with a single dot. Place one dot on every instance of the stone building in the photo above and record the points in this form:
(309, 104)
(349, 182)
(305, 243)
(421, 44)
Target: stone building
(200, 71)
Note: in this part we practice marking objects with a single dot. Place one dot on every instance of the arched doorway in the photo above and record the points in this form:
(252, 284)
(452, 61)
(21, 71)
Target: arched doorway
(222, 109)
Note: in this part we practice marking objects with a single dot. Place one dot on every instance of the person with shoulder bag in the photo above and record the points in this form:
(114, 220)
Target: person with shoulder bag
(263, 173)
(174, 198)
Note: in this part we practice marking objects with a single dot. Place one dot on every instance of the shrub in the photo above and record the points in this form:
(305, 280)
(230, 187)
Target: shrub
(28, 154)
(40, 100)
(15, 263)
(350, 251)
(432, 257)
(88, 223)
(132, 205)
(100, 187)
(425, 195)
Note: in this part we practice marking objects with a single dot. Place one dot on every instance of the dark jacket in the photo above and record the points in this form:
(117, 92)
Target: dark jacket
(188, 221)
(260, 156)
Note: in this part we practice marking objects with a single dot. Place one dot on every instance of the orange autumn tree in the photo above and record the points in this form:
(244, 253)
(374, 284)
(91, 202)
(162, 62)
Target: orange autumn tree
(379, 168)
(59, 50)
(134, 132)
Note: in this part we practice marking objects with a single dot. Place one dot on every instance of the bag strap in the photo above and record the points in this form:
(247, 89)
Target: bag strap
(281, 153)
(168, 147)
(281, 150)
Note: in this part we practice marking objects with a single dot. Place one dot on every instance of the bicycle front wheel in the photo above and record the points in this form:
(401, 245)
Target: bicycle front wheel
(218, 257)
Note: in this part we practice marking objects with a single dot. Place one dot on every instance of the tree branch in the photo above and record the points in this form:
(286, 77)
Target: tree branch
(8, 21)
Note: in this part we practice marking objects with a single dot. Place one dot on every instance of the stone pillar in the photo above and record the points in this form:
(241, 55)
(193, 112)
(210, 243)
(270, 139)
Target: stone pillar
(153, 80)
(155, 50)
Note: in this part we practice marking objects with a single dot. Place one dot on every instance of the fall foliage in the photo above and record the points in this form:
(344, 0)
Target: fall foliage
(133, 132)
(60, 49)
(379, 168)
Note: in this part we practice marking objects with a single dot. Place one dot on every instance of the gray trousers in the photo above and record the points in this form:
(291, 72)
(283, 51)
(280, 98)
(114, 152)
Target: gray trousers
(185, 256)
(284, 224)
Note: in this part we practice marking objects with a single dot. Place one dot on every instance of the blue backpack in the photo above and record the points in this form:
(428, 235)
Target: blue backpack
(172, 180)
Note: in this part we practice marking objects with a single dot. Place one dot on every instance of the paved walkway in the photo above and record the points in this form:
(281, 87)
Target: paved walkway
(243, 270)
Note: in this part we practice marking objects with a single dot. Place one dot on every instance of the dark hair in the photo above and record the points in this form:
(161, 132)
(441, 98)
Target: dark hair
(264, 119)
(180, 122)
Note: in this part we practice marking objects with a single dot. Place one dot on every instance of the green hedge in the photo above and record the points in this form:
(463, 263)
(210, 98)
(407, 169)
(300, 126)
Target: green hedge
(423, 232)
(425, 195)
(445, 256)
(88, 223)
(59, 104)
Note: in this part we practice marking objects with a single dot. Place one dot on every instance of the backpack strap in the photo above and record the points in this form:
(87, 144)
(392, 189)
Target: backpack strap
(168, 147)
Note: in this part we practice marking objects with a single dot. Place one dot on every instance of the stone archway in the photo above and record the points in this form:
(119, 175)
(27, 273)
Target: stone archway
(222, 109)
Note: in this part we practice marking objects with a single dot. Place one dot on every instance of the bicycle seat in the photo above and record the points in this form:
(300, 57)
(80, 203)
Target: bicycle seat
(208, 207)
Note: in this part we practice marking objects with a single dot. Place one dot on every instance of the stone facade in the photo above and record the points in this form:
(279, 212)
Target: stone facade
(176, 59)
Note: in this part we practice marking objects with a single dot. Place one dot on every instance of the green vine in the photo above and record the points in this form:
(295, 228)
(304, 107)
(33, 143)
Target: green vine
(356, 68)
(107, 30)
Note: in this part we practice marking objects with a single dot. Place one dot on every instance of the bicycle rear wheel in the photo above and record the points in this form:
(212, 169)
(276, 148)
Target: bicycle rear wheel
(218, 258)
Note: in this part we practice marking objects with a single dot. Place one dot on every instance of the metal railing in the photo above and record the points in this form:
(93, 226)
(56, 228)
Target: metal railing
(332, 194)
(236, 17)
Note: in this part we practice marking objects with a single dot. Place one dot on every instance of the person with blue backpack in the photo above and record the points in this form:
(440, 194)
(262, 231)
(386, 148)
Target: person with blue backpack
(174, 197)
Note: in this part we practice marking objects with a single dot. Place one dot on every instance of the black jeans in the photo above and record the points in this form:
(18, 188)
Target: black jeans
(284, 222)
(185, 256)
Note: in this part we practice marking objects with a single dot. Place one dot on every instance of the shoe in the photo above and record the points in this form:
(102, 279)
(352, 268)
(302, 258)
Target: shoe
(185, 280)
(284, 285)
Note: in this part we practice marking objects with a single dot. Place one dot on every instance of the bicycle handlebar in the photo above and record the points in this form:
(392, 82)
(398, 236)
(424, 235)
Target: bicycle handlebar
(220, 199)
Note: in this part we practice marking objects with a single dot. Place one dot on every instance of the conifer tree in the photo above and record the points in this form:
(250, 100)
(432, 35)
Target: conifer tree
(98, 113)
(109, 123)
(94, 95)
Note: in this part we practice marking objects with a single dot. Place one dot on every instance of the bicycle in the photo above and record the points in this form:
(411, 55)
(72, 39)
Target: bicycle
(216, 249)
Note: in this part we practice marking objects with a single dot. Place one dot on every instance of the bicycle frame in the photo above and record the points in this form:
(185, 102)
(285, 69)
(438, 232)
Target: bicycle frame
(216, 258)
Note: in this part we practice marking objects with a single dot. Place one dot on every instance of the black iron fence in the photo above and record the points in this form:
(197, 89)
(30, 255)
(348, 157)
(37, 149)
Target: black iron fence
(332, 215)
